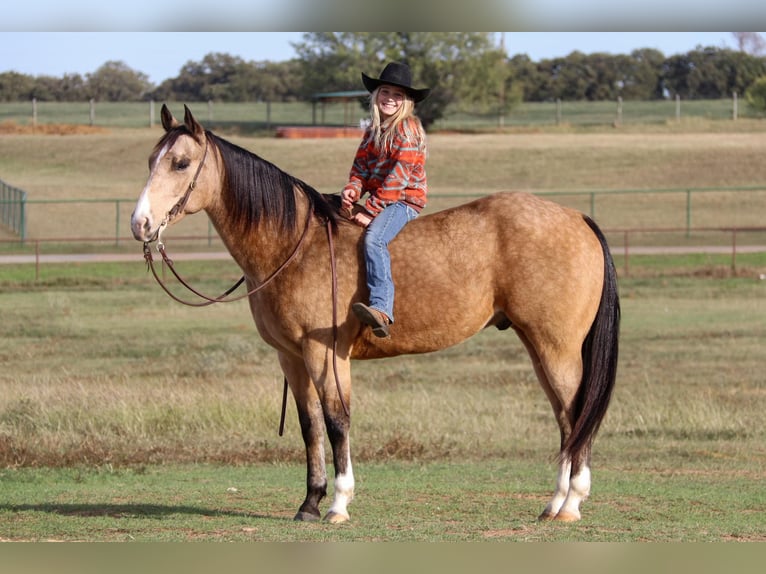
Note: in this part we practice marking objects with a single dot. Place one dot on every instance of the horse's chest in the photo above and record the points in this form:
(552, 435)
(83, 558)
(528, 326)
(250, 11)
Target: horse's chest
(278, 328)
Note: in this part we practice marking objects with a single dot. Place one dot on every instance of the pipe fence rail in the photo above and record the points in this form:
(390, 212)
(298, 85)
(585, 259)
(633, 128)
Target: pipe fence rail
(670, 207)
(202, 247)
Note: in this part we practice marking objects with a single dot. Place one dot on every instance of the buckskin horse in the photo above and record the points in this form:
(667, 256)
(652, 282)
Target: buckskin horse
(508, 260)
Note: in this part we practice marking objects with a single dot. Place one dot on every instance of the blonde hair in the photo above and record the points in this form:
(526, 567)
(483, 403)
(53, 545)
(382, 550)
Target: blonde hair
(383, 133)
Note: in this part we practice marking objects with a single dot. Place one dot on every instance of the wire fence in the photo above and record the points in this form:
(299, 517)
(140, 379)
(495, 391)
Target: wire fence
(248, 117)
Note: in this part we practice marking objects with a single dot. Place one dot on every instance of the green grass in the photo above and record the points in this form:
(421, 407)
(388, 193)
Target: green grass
(397, 502)
(260, 117)
(126, 416)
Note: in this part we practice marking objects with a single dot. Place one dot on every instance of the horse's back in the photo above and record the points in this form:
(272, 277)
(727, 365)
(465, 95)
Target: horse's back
(510, 255)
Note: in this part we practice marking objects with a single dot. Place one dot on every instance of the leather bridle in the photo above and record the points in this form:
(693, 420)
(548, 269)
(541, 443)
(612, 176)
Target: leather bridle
(225, 297)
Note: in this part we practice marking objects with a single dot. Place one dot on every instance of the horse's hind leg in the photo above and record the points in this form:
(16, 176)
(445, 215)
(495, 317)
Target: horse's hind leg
(573, 483)
(560, 380)
(312, 428)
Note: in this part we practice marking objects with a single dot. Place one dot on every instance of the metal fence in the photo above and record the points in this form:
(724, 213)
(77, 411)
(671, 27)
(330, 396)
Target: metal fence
(13, 203)
(622, 242)
(688, 209)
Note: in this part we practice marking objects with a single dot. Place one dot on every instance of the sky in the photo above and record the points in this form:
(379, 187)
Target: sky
(161, 55)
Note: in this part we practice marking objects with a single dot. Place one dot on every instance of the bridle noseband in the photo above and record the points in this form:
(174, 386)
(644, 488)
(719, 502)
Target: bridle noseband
(179, 205)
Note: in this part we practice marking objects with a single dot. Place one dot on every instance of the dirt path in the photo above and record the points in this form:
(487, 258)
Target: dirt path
(222, 255)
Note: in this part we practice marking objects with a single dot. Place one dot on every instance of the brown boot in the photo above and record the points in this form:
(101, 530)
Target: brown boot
(372, 317)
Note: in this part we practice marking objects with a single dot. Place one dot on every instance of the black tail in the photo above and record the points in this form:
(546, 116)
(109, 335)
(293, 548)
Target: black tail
(599, 357)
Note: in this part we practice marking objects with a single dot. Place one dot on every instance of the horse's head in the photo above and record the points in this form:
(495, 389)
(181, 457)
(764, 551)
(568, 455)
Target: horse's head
(178, 165)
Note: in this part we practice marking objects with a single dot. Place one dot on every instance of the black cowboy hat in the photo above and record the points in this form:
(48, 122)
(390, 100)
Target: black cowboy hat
(396, 74)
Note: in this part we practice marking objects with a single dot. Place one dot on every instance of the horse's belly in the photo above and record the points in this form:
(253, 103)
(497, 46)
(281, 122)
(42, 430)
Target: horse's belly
(425, 332)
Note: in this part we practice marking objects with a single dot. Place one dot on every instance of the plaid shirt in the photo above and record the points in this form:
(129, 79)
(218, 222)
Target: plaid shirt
(398, 175)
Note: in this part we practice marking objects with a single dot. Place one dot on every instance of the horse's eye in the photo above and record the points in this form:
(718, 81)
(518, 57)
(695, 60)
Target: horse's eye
(182, 164)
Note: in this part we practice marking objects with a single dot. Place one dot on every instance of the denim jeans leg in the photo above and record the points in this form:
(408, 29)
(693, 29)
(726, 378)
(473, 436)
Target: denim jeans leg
(381, 231)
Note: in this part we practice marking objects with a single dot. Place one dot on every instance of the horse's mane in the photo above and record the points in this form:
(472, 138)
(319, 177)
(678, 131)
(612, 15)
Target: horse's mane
(256, 189)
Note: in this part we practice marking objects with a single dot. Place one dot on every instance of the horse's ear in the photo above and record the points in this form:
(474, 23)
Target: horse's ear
(168, 121)
(192, 124)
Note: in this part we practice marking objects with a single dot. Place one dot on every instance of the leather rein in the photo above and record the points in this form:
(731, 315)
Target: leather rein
(225, 297)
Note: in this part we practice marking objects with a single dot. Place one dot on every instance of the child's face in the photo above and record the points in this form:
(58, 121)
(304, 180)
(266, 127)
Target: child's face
(390, 99)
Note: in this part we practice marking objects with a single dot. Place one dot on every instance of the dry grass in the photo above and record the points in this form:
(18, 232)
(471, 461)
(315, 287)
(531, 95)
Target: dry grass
(9, 127)
(113, 165)
(127, 375)
(111, 371)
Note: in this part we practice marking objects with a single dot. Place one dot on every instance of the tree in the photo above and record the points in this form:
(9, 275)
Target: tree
(711, 73)
(16, 87)
(524, 77)
(226, 78)
(640, 74)
(750, 42)
(116, 82)
(756, 95)
(458, 66)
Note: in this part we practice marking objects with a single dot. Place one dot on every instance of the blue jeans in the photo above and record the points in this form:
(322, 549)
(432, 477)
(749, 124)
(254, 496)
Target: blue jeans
(381, 231)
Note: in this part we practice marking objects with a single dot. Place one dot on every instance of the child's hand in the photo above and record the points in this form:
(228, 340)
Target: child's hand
(362, 218)
(347, 198)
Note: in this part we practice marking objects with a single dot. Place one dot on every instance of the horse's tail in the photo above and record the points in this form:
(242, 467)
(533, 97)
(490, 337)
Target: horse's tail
(599, 357)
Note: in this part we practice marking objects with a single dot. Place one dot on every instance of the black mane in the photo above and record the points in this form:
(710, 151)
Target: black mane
(256, 189)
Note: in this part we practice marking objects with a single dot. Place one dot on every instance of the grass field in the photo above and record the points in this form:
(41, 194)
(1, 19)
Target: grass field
(640, 177)
(124, 416)
(262, 118)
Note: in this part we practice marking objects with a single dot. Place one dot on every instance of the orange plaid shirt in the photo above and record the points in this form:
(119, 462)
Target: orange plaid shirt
(389, 177)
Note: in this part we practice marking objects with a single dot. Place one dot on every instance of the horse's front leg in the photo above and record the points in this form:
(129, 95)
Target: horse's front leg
(337, 422)
(312, 428)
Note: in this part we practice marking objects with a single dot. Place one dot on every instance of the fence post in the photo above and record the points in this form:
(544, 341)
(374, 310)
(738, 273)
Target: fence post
(734, 107)
(23, 217)
(117, 223)
(618, 122)
(34, 111)
(688, 213)
(92, 111)
(627, 253)
(678, 108)
(37, 260)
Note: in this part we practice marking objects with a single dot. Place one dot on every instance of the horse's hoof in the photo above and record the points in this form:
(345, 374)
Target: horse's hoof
(545, 516)
(303, 516)
(335, 518)
(567, 517)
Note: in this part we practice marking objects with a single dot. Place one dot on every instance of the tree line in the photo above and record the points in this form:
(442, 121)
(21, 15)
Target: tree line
(468, 70)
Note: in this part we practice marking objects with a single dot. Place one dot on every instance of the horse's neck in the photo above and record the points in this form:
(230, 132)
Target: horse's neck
(260, 249)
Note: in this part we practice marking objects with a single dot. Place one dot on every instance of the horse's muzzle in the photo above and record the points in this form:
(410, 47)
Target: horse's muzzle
(141, 228)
